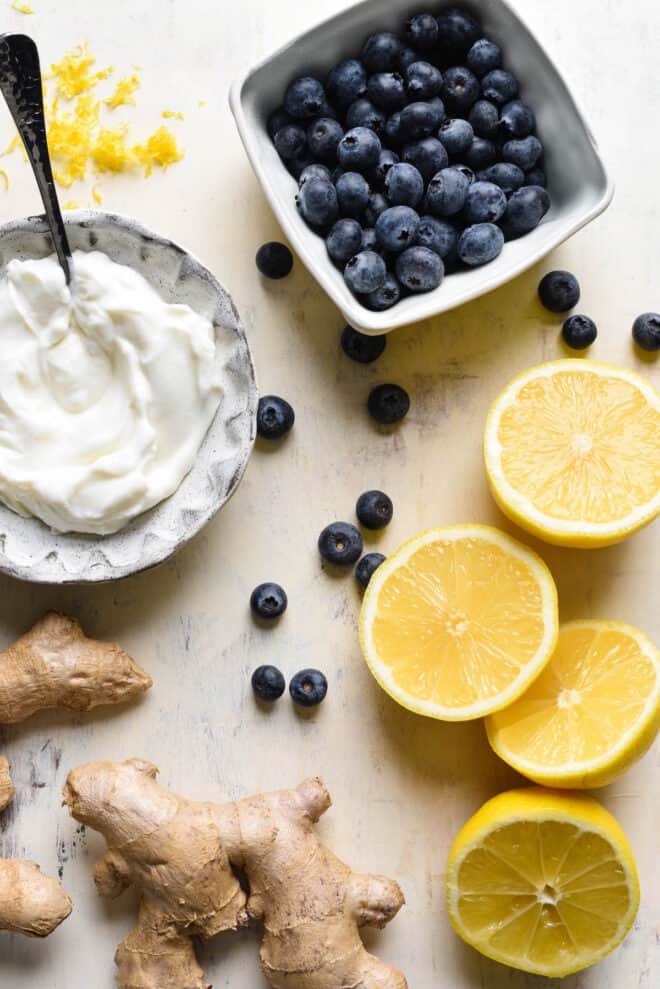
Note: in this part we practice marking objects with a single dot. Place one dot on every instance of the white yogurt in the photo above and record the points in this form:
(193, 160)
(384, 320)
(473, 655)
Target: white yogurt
(105, 397)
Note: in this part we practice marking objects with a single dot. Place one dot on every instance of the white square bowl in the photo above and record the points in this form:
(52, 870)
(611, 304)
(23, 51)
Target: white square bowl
(577, 180)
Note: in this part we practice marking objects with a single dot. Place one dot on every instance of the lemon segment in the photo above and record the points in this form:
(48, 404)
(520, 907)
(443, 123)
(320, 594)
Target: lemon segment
(459, 621)
(572, 452)
(591, 713)
(543, 881)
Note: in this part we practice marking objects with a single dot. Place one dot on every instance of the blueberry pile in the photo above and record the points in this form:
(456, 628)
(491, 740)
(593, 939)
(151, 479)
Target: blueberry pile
(415, 159)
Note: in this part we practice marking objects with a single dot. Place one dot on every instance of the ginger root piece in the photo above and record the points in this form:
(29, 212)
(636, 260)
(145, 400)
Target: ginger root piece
(6, 786)
(56, 665)
(180, 853)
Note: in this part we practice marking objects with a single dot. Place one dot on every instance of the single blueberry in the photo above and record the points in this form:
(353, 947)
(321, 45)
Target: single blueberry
(456, 135)
(377, 204)
(393, 133)
(646, 331)
(381, 52)
(340, 543)
(268, 683)
(386, 160)
(314, 171)
(579, 332)
(460, 89)
(323, 137)
(457, 32)
(404, 185)
(275, 417)
(388, 403)
(524, 153)
(480, 244)
(447, 192)
(535, 176)
(525, 210)
(499, 86)
(363, 113)
(419, 269)
(274, 260)
(423, 81)
(367, 567)
(317, 201)
(438, 235)
(484, 56)
(396, 228)
(290, 141)
(359, 149)
(365, 272)
(278, 119)
(466, 172)
(420, 119)
(428, 156)
(422, 32)
(387, 90)
(374, 509)
(304, 98)
(347, 82)
(559, 291)
(344, 241)
(296, 166)
(384, 297)
(308, 688)
(352, 193)
(361, 347)
(517, 119)
(485, 203)
(268, 601)
(509, 177)
(485, 119)
(480, 154)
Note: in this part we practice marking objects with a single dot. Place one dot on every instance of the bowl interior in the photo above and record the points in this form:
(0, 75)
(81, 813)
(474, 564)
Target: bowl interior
(30, 550)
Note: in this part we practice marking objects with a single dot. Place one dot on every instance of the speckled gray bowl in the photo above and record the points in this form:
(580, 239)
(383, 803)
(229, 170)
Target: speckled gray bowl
(30, 550)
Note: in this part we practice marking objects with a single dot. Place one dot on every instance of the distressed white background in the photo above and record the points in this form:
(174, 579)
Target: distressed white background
(402, 785)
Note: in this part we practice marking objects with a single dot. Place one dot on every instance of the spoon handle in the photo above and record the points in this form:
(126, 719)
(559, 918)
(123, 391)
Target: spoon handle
(20, 82)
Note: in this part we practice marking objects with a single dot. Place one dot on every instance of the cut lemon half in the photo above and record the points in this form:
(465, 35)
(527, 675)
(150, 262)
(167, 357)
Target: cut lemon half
(543, 881)
(459, 621)
(592, 712)
(572, 451)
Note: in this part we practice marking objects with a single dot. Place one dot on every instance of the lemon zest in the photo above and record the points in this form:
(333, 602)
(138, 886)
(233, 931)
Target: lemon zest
(71, 204)
(161, 149)
(172, 115)
(22, 8)
(72, 74)
(123, 93)
(96, 195)
(5, 179)
(110, 152)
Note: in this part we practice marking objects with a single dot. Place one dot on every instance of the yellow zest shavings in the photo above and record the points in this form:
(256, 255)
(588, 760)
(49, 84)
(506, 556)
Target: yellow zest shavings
(160, 149)
(72, 75)
(5, 179)
(123, 94)
(96, 195)
(71, 137)
(201, 103)
(71, 204)
(110, 153)
(13, 144)
(172, 114)
(22, 8)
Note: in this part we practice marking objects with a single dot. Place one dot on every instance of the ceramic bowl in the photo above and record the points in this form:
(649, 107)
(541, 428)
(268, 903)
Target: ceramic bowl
(577, 180)
(29, 549)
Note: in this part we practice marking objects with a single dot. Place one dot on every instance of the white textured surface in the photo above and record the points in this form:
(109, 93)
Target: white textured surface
(402, 785)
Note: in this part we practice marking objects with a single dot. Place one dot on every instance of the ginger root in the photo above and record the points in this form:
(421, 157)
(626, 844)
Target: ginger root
(56, 665)
(180, 855)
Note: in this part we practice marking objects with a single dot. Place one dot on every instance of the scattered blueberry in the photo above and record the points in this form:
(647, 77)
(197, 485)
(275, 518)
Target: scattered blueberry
(304, 98)
(422, 32)
(419, 269)
(352, 193)
(485, 203)
(268, 601)
(524, 152)
(374, 509)
(460, 89)
(268, 683)
(384, 297)
(387, 90)
(347, 82)
(359, 149)
(438, 235)
(499, 86)
(344, 241)
(447, 192)
(485, 119)
(386, 159)
(517, 119)
(314, 171)
(367, 567)
(365, 272)
(508, 176)
(483, 57)
(480, 244)
(456, 135)
(423, 81)
(274, 260)
(421, 118)
(290, 141)
(323, 137)
(559, 291)
(377, 204)
(308, 688)
(457, 32)
(404, 185)
(381, 52)
(340, 543)
(481, 154)
(279, 118)
(525, 210)
(579, 332)
(363, 113)
(275, 417)
(388, 403)
(535, 176)
(396, 228)
(428, 156)
(317, 201)
(646, 331)
(393, 134)
(361, 347)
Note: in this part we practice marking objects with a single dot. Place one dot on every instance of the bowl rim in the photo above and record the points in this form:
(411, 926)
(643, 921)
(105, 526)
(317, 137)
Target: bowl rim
(361, 318)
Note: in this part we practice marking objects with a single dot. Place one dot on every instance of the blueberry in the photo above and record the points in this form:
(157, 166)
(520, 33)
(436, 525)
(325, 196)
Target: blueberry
(406, 57)
(370, 241)
(359, 149)
(323, 136)
(646, 331)
(381, 52)
(387, 90)
(393, 133)
(404, 185)
(485, 203)
(423, 81)
(314, 171)
(517, 119)
(480, 244)
(274, 260)
(525, 210)
(365, 272)
(374, 509)
(268, 683)
(340, 543)
(480, 154)
(278, 119)
(386, 160)
(308, 688)
(344, 241)
(375, 207)
(422, 32)
(275, 417)
(296, 166)
(509, 177)
(361, 347)
(420, 119)
(304, 98)
(524, 153)
(456, 135)
(579, 332)
(317, 201)
(484, 56)
(384, 297)
(363, 113)
(352, 193)
(396, 228)
(460, 89)
(485, 119)
(428, 156)
(535, 176)
(457, 32)
(559, 291)
(388, 404)
(367, 567)
(438, 235)
(347, 82)
(499, 86)
(419, 269)
(447, 192)
(268, 601)
(290, 141)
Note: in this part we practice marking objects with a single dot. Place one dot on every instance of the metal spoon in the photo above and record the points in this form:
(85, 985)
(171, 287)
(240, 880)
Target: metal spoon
(20, 82)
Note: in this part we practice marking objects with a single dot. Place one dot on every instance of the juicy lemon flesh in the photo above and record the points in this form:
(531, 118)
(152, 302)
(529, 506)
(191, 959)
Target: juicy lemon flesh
(581, 446)
(457, 622)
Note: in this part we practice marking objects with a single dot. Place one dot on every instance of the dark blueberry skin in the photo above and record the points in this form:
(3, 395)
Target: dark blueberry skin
(646, 331)
(315, 171)
(308, 688)
(290, 141)
(386, 160)
(360, 347)
(422, 32)
(275, 417)
(447, 192)
(509, 177)
(381, 52)
(420, 269)
(365, 272)
(304, 98)
(485, 203)
(278, 119)
(457, 32)
(375, 207)
(525, 210)
(428, 156)
(296, 166)
(524, 153)
(274, 260)
(387, 90)
(388, 404)
(579, 332)
(352, 193)
(404, 185)
(393, 133)
(370, 241)
(340, 543)
(359, 149)
(481, 154)
(268, 683)
(268, 601)
(559, 291)
(384, 297)
(456, 135)
(317, 201)
(517, 119)
(406, 57)
(460, 89)
(374, 510)
(367, 567)
(499, 87)
(485, 119)
(423, 81)
(421, 119)
(396, 228)
(363, 113)
(483, 57)
(480, 244)
(346, 83)
(344, 241)
(535, 176)
(438, 235)
(323, 137)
